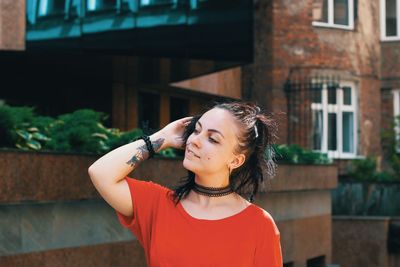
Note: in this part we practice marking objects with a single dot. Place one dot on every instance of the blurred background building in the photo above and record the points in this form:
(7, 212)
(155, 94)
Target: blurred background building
(329, 71)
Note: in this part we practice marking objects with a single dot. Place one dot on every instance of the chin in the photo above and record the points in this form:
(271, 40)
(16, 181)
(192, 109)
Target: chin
(188, 165)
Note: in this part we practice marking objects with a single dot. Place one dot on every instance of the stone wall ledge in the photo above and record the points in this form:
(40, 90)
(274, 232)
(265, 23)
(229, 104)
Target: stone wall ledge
(47, 176)
(362, 218)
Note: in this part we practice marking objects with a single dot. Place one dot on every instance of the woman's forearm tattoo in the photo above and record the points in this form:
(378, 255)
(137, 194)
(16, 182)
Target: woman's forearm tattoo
(142, 152)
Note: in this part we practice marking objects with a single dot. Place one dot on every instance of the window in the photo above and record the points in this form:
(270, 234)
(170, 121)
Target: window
(178, 108)
(390, 20)
(157, 2)
(334, 124)
(316, 262)
(97, 5)
(51, 7)
(334, 13)
(149, 111)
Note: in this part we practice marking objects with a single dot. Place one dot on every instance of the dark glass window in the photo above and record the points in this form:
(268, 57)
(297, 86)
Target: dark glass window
(178, 108)
(332, 130)
(348, 131)
(316, 91)
(149, 70)
(341, 12)
(97, 5)
(317, 134)
(149, 111)
(391, 19)
(332, 95)
(51, 8)
(346, 95)
(316, 262)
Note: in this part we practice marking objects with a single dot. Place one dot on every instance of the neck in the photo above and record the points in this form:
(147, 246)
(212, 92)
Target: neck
(207, 201)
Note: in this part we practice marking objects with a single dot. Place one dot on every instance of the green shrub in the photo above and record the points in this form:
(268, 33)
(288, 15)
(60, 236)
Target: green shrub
(365, 170)
(390, 144)
(295, 154)
(80, 131)
(17, 128)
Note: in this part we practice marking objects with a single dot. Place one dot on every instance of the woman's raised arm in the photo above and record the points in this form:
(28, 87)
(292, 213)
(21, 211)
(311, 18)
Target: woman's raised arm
(108, 172)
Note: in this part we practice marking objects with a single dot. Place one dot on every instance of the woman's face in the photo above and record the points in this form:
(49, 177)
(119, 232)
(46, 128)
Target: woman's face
(210, 148)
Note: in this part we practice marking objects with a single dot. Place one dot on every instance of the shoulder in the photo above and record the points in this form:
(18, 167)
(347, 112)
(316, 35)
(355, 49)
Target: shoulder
(148, 186)
(265, 221)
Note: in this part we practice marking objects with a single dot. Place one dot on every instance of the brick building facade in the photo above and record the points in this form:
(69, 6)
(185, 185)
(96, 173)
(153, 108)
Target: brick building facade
(302, 48)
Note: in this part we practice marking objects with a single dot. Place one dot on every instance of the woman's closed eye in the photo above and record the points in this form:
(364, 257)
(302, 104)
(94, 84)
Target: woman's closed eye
(212, 140)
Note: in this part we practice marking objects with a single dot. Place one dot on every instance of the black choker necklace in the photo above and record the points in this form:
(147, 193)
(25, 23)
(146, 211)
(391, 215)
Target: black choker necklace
(212, 191)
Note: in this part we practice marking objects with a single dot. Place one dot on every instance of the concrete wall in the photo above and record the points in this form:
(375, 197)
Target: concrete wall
(50, 213)
(362, 241)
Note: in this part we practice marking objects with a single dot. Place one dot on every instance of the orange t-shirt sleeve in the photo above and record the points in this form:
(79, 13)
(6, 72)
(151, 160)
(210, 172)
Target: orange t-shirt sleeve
(145, 196)
(268, 251)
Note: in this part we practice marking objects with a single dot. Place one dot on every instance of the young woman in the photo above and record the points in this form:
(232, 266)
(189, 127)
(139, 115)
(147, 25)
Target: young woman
(205, 221)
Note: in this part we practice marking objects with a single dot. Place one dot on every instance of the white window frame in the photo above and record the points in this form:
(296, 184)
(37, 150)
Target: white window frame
(383, 21)
(331, 24)
(338, 109)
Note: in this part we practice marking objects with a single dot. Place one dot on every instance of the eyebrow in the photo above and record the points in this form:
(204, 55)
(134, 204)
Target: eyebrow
(212, 130)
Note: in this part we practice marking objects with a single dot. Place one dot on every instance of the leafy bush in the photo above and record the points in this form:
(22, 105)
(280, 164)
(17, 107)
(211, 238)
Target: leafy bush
(366, 170)
(81, 131)
(16, 127)
(295, 154)
(363, 169)
(390, 144)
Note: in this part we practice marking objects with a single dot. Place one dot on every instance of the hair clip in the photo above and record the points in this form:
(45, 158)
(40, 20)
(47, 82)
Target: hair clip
(255, 129)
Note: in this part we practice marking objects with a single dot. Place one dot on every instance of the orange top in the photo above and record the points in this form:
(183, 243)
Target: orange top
(171, 237)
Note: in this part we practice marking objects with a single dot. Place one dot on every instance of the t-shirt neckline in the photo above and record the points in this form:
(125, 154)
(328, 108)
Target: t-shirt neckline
(190, 217)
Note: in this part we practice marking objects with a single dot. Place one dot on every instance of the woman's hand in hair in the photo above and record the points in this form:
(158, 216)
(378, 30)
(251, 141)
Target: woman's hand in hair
(173, 133)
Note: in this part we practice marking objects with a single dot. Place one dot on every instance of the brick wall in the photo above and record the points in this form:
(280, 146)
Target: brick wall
(285, 39)
(12, 25)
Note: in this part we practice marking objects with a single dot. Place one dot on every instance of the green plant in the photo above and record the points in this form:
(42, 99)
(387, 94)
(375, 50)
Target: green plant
(17, 128)
(363, 169)
(30, 138)
(80, 131)
(297, 155)
(390, 140)
(366, 170)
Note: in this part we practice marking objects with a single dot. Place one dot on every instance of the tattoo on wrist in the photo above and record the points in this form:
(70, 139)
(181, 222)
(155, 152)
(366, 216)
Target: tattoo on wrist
(142, 152)
(157, 144)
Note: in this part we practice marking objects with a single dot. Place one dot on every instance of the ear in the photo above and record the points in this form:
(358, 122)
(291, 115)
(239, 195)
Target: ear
(237, 161)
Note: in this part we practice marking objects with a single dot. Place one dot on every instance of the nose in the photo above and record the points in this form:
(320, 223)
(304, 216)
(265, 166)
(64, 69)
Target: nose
(194, 140)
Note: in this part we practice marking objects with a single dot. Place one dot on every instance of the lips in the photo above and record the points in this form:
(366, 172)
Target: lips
(190, 151)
